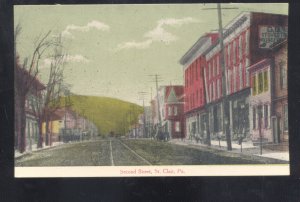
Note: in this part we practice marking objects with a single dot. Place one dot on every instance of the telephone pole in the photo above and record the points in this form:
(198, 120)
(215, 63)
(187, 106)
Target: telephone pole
(157, 78)
(142, 97)
(226, 119)
(224, 87)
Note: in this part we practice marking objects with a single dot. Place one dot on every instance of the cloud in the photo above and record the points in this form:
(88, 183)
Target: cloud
(158, 34)
(68, 58)
(91, 25)
(134, 44)
(76, 58)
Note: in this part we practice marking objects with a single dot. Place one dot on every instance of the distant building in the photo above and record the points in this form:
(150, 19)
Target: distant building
(55, 126)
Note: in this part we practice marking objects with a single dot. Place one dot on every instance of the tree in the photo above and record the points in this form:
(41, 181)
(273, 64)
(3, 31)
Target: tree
(26, 83)
(50, 101)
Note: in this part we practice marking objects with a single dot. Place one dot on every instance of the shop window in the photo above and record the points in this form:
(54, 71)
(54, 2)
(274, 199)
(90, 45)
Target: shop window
(266, 81)
(285, 124)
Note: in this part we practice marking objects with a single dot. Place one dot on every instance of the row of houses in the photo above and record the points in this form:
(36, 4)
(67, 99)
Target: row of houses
(255, 59)
(63, 124)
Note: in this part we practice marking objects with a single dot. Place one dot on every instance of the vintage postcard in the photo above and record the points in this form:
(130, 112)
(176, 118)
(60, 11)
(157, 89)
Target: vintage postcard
(151, 90)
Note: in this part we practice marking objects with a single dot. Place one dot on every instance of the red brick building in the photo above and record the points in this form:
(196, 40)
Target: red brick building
(247, 40)
(171, 111)
(194, 89)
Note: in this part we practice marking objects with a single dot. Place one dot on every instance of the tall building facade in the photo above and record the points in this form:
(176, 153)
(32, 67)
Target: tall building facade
(195, 91)
(248, 39)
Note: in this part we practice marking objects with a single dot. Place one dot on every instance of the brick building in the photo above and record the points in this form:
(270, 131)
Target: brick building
(170, 110)
(247, 40)
(194, 89)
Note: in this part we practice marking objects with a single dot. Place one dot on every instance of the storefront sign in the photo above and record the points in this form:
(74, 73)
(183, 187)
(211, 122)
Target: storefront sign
(268, 35)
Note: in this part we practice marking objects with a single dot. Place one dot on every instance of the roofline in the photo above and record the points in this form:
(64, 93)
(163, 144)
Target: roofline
(234, 21)
(195, 47)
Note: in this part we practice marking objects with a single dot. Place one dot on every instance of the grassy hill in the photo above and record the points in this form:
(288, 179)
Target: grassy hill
(108, 114)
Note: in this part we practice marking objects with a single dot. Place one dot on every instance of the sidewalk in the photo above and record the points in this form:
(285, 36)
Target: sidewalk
(247, 148)
(34, 148)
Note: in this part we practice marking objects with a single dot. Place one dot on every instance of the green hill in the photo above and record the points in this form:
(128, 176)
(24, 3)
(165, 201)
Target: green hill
(109, 114)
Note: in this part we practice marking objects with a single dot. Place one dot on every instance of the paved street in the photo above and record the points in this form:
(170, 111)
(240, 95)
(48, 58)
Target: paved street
(115, 152)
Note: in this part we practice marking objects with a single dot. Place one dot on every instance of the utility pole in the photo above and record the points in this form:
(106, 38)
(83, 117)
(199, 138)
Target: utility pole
(157, 78)
(226, 119)
(224, 87)
(142, 97)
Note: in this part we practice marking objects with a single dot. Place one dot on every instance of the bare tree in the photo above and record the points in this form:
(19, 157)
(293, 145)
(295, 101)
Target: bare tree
(26, 82)
(48, 104)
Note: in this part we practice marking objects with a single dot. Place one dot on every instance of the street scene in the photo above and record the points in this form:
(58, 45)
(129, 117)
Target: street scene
(116, 152)
(143, 85)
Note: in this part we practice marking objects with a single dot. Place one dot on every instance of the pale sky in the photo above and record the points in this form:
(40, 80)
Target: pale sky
(113, 48)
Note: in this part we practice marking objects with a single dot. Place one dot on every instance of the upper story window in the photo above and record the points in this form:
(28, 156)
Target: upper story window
(254, 85)
(218, 88)
(283, 75)
(241, 75)
(234, 52)
(209, 70)
(266, 81)
(247, 38)
(175, 111)
(229, 54)
(213, 67)
(216, 66)
(170, 111)
(240, 48)
(234, 79)
(197, 70)
(260, 82)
